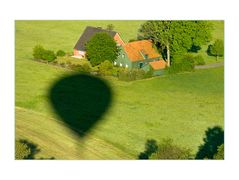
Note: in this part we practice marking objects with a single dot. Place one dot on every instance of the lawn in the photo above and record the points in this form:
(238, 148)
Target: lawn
(180, 106)
(218, 33)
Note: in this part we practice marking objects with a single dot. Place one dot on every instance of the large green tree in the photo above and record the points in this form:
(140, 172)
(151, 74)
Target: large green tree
(176, 36)
(101, 47)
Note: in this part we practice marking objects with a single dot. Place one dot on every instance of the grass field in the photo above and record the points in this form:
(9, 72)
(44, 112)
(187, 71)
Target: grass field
(179, 106)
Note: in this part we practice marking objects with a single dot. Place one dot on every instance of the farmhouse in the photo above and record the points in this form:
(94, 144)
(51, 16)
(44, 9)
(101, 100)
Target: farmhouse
(137, 54)
(140, 54)
(79, 49)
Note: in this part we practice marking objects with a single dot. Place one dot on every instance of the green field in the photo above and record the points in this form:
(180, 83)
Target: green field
(180, 106)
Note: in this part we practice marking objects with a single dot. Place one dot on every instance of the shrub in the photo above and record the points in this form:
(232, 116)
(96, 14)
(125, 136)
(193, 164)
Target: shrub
(130, 75)
(168, 150)
(106, 68)
(182, 63)
(199, 60)
(60, 53)
(22, 151)
(49, 55)
(149, 73)
(83, 68)
(139, 73)
(38, 52)
(110, 27)
(124, 75)
(216, 49)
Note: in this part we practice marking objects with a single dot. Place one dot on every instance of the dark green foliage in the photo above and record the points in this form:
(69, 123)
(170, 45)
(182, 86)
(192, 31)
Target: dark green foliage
(199, 60)
(168, 150)
(180, 36)
(101, 47)
(60, 53)
(217, 49)
(130, 75)
(110, 27)
(214, 137)
(39, 53)
(220, 152)
(22, 151)
(150, 147)
(194, 48)
(182, 63)
(106, 68)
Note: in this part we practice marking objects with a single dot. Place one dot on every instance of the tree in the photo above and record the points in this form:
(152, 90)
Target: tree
(38, 51)
(217, 49)
(176, 36)
(110, 27)
(168, 150)
(101, 47)
(22, 150)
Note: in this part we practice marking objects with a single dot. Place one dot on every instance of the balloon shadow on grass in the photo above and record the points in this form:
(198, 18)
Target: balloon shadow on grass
(80, 100)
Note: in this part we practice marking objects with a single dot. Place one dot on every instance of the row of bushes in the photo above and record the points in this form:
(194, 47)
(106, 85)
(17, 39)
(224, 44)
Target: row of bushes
(134, 74)
(39, 53)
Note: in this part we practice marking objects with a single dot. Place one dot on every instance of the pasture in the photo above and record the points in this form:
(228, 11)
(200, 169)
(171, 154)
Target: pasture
(180, 106)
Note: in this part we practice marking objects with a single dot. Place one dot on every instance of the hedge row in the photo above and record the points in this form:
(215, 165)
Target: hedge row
(39, 53)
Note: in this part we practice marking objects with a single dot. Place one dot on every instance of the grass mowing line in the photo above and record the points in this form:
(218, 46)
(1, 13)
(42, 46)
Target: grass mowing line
(92, 146)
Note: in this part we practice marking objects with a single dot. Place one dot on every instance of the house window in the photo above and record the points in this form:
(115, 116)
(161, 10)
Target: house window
(141, 65)
(126, 65)
(120, 65)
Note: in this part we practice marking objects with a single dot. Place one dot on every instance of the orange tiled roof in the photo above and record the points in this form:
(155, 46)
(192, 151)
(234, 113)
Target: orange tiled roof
(156, 65)
(136, 49)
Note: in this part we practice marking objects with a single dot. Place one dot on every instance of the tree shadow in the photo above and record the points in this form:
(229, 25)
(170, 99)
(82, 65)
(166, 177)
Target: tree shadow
(33, 148)
(214, 137)
(208, 51)
(150, 148)
(80, 100)
(194, 48)
(51, 158)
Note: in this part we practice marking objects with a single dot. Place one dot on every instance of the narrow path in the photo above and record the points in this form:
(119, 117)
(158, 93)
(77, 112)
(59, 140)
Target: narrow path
(210, 65)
